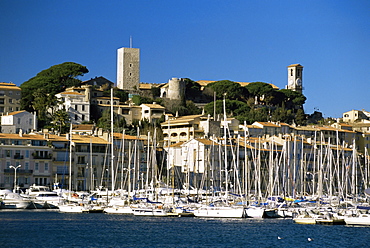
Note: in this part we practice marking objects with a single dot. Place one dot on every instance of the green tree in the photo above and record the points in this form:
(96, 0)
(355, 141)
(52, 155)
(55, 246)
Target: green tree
(52, 81)
(193, 91)
(300, 118)
(233, 108)
(282, 115)
(262, 92)
(104, 122)
(60, 119)
(293, 99)
(192, 109)
(232, 90)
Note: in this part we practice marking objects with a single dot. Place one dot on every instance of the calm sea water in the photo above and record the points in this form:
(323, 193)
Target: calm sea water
(35, 228)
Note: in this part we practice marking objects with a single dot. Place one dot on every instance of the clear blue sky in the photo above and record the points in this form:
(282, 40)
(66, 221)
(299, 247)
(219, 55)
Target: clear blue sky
(243, 41)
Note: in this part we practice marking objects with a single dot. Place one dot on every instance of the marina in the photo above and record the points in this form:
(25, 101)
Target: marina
(50, 228)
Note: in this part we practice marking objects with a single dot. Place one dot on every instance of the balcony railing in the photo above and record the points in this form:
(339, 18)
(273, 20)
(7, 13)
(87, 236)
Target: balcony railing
(18, 156)
(20, 171)
(45, 156)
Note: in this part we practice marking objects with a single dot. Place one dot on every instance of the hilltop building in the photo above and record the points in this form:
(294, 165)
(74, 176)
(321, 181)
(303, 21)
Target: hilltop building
(174, 89)
(128, 69)
(295, 77)
(10, 98)
(356, 116)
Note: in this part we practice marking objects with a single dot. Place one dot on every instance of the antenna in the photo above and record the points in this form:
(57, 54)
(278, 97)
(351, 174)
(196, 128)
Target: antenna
(130, 41)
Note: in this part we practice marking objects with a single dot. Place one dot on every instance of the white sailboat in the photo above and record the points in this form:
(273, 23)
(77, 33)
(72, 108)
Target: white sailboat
(361, 219)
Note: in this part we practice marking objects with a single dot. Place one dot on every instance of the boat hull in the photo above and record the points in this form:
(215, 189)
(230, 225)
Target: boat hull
(219, 212)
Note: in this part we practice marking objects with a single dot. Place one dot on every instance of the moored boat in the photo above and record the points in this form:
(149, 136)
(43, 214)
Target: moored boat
(361, 219)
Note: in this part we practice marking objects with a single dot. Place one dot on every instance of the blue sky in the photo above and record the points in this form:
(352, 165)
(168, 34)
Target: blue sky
(243, 41)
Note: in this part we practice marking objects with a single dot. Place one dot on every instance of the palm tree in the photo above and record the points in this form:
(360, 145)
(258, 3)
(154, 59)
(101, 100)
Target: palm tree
(60, 119)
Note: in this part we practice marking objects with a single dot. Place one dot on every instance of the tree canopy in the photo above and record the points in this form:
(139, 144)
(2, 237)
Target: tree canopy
(232, 90)
(51, 81)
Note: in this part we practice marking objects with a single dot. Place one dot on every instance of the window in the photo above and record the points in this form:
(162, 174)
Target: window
(2, 93)
(46, 166)
(81, 160)
(291, 72)
(26, 165)
(76, 117)
(37, 166)
(1, 100)
(19, 120)
(8, 153)
(82, 117)
(10, 100)
(10, 93)
(7, 164)
(26, 180)
(27, 155)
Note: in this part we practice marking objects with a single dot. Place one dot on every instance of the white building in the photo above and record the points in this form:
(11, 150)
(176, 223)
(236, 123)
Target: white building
(76, 104)
(14, 122)
(152, 112)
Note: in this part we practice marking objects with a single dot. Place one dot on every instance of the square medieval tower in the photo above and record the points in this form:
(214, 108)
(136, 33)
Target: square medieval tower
(128, 68)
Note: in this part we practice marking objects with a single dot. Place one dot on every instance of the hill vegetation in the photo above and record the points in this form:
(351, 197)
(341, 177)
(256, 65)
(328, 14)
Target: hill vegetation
(257, 101)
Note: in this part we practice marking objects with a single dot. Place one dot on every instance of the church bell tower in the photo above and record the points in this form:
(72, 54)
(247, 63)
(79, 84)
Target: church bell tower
(295, 75)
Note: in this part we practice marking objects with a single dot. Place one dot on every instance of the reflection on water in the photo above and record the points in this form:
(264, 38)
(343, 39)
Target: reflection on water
(54, 229)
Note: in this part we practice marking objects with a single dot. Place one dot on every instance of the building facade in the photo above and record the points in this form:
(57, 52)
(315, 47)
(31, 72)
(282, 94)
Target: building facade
(10, 98)
(128, 68)
(18, 121)
(295, 77)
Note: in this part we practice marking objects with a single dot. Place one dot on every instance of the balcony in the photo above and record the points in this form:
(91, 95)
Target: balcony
(19, 171)
(40, 156)
(18, 156)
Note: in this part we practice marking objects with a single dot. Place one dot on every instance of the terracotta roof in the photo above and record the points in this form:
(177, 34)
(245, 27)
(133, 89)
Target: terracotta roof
(206, 82)
(24, 136)
(71, 93)
(207, 142)
(153, 105)
(295, 65)
(16, 112)
(118, 136)
(107, 98)
(268, 124)
(82, 127)
(9, 86)
(178, 144)
(144, 86)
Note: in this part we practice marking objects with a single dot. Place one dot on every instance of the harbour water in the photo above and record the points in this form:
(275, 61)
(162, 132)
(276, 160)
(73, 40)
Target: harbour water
(45, 228)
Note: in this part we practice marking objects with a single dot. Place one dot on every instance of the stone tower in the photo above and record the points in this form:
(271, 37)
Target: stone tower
(176, 89)
(128, 68)
(295, 76)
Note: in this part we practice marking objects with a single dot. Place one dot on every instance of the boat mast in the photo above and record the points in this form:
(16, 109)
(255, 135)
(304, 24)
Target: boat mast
(112, 138)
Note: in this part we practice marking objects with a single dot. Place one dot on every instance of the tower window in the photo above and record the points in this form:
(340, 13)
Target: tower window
(291, 72)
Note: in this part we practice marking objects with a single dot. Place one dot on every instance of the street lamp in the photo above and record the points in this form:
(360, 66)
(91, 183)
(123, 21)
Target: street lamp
(15, 176)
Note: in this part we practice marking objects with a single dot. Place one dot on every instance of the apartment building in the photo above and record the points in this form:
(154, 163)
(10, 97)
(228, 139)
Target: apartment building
(10, 98)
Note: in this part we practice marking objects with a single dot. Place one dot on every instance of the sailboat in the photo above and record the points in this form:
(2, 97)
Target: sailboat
(70, 206)
(222, 207)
